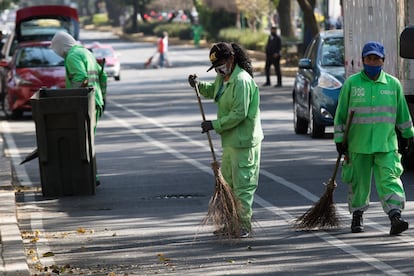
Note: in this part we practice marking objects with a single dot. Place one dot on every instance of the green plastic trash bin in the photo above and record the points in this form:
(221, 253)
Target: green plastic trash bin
(64, 120)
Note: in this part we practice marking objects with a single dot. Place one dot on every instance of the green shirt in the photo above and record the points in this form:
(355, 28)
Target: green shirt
(238, 112)
(380, 107)
(81, 65)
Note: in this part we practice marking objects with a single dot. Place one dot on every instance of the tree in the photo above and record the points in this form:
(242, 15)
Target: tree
(114, 9)
(139, 6)
(311, 27)
(253, 11)
(284, 8)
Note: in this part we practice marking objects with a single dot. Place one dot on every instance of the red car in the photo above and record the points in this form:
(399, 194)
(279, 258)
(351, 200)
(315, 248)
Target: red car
(34, 65)
(112, 64)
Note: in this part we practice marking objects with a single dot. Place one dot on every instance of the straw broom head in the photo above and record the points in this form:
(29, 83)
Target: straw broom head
(224, 209)
(323, 214)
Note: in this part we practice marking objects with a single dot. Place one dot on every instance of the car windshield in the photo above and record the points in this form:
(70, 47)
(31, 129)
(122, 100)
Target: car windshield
(38, 57)
(333, 52)
(102, 52)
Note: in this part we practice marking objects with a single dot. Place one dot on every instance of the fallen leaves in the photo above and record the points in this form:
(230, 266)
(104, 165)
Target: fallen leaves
(48, 254)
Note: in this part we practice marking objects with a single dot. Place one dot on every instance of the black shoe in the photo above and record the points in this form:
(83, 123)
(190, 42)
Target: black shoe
(357, 225)
(266, 84)
(278, 85)
(398, 225)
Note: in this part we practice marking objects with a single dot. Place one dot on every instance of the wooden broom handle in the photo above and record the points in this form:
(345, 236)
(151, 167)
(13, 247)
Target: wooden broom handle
(204, 119)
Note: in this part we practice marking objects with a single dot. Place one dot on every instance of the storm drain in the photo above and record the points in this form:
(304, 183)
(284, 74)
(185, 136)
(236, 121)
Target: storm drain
(174, 196)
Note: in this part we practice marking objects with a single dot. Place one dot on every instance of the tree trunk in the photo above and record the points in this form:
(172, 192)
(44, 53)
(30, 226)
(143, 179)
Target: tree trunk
(134, 17)
(285, 20)
(311, 27)
(114, 10)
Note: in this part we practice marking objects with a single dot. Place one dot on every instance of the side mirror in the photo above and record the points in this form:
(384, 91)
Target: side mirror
(407, 42)
(305, 63)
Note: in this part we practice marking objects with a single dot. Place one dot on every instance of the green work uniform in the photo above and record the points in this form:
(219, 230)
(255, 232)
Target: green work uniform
(197, 33)
(81, 65)
(380, 107)
(238, 124)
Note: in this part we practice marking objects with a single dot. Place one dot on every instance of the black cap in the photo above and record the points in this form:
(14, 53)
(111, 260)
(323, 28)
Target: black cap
(219, 52)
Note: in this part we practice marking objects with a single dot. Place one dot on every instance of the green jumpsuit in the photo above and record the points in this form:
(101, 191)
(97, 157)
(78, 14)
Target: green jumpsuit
(238, 124)
(81, 65)
(380, 107)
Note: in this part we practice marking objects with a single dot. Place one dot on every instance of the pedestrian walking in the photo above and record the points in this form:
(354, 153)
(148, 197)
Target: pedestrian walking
(238, 124)
(273, 49)
(380, 108)
(162, 46)
(82, 69)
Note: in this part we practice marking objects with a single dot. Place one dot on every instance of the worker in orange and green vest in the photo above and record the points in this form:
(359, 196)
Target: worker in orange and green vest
(372, 148)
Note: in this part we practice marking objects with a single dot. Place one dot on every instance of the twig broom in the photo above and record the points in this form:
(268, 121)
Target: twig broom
(224, 208)
(323, 213)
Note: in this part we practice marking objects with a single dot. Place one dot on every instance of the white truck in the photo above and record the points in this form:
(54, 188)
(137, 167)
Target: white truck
(383, 21)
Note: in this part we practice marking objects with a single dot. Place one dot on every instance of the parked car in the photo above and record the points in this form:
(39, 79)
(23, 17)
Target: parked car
(105, 52)
(34, 65)
(318, 82)
(37, 23)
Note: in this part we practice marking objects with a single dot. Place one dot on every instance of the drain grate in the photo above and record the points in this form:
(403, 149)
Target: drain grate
(174, 196)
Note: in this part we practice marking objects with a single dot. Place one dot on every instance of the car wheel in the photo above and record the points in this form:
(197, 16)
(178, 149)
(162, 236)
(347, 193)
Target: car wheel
(10, 114)
(316, 130)
(300, 124)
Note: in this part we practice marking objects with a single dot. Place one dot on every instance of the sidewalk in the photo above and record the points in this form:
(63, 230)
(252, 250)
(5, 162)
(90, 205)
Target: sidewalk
(12, 254)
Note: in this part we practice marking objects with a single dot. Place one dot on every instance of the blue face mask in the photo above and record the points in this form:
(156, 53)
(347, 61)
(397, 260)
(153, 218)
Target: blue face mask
(372, 71)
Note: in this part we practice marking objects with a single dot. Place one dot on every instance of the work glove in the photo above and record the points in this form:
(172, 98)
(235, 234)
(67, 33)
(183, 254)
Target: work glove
(341, 148)
(206, 126)
(404, 145)
(193, 80)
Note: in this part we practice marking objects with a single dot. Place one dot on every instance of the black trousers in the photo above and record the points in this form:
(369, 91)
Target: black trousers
(276, 63)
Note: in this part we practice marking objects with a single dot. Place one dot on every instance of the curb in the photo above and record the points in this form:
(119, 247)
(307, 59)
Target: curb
(12, 253)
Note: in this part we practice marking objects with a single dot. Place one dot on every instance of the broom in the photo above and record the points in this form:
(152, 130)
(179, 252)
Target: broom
(323, 213)
(224, 209)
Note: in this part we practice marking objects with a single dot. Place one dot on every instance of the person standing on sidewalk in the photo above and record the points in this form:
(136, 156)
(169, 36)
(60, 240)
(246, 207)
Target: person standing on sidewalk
(238, 123)
(273, 48)
(372, 149)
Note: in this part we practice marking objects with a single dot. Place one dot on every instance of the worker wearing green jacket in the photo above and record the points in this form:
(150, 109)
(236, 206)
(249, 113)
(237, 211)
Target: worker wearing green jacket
(82, 70)
(372, 149)
(238, 123)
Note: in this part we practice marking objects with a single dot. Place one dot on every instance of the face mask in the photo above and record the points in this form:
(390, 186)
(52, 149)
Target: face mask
(372, 71)
(222, 70)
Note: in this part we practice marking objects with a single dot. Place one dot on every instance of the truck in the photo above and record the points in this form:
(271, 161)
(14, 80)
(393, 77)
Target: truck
(383, 21)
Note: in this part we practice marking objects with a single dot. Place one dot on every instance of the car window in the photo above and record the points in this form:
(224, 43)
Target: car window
(333, 52)
(311, 48)
(37, 57)
(102, 52)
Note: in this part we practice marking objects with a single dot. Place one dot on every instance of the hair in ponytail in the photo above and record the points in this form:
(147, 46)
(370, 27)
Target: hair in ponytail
(242, 59)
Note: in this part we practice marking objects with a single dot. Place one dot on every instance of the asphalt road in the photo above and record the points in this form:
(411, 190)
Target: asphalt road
(154, 165)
